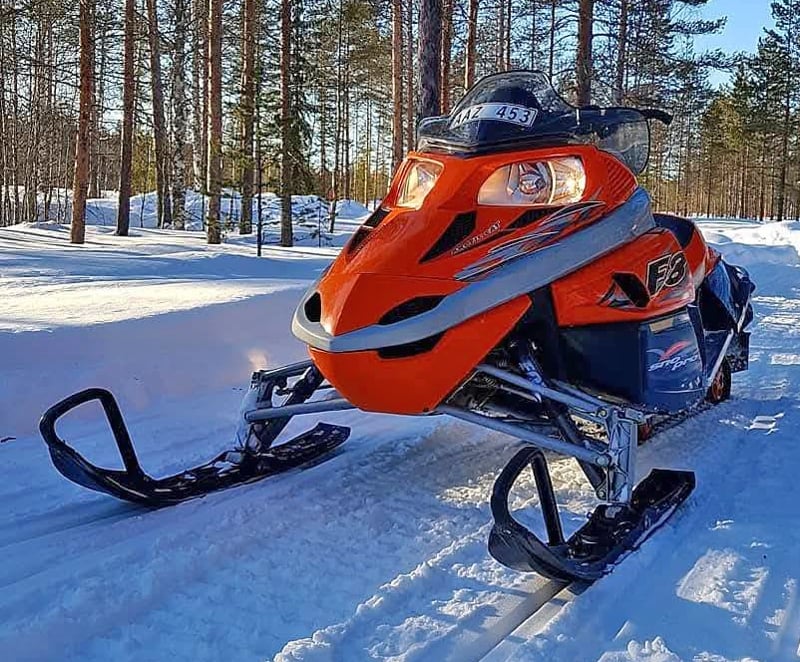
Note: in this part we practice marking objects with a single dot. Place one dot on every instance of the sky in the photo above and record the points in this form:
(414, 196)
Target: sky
(746, 22)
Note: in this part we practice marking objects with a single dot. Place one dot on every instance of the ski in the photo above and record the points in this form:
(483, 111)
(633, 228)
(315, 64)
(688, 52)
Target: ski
(237, 466)
(611, 531)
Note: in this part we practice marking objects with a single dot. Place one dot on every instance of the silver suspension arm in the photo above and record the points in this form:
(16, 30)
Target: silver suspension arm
(617, 457)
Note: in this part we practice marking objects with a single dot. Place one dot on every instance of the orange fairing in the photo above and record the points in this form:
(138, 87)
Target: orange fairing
(429, 229)
(419, 383)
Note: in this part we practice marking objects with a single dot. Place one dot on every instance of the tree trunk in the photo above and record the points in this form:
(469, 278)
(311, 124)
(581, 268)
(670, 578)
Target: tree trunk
(500, 44)
(411, 121)
(180, 114)
(214, 138)
(622, 52)
(249, 28)
(199, 78)
(787, 116)
(128, 96)
(508, 35)
(584, 56)
(80, 183)
(159, 125)
(430, 45)
(551, 56)
(447, 46)
(95, 142)
(472, 40)
(286, 119)
(397, 83)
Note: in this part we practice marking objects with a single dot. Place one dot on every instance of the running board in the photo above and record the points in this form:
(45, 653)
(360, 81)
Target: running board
(230, 468)
(611, 530)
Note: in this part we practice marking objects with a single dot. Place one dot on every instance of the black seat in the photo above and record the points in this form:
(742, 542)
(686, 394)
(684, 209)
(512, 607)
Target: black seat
(682, 228)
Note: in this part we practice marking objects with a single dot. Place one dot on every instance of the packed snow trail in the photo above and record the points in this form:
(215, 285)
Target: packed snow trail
(380, 552)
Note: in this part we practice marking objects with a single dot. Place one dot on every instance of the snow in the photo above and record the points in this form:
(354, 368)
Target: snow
(379, 553)
(310, 215)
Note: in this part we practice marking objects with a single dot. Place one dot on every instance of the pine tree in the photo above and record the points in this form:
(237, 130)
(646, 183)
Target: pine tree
(214, 134)
(159, 123)
(80, 185)
(128, 97)
(180, 115)
(430, 29)
(287, 238)
(248, 99)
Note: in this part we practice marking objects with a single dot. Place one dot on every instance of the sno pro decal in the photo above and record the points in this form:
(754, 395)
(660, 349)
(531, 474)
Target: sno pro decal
(478, 238)
(674, 358)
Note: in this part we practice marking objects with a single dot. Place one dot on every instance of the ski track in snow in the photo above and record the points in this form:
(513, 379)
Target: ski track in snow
(379, 553)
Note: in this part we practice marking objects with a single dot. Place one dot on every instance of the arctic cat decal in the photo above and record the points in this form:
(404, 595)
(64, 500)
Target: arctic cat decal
(666, 271)
(545, 235)
(478, 238)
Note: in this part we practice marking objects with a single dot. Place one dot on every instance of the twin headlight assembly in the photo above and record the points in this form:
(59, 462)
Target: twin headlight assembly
(530, 183)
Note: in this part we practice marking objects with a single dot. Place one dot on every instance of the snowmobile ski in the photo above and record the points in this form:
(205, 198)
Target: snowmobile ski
(610, 531)
(230, 468)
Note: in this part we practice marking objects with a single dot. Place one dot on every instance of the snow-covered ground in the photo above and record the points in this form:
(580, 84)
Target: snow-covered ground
(379, 553)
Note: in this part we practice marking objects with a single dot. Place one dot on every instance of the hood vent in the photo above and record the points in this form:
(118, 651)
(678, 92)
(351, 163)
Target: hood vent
(313, 308)
(410, 308)
(362, 234)
(462, 227)
(531, 216)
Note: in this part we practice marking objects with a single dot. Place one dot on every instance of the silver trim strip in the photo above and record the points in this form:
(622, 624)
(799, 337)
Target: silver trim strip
(509, 281)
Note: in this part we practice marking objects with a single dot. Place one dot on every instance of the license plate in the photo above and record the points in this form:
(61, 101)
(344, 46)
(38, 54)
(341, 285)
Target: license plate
(501, 112)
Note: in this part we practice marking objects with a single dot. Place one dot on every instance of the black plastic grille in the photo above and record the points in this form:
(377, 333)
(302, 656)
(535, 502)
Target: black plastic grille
(410, 349)
(461, 227)
(410, 308)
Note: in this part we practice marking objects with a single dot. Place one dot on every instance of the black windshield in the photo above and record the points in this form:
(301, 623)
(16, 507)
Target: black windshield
(521, 109)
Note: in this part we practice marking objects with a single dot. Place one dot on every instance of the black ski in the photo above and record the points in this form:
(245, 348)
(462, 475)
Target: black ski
(610, 532)
(230, 468)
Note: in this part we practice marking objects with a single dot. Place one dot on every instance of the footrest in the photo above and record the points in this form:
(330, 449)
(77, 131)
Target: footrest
(611, 531)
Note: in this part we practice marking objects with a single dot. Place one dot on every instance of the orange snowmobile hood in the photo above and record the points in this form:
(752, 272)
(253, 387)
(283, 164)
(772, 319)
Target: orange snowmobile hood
(402, 253)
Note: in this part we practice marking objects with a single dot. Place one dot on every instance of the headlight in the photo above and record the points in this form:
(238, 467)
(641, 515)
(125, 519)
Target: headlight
(552, 182)
(420, 178)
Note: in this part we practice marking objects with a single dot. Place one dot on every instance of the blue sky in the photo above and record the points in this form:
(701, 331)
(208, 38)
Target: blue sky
(746, 22)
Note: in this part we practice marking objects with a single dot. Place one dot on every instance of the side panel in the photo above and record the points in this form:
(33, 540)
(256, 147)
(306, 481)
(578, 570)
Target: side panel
(655, 363)
(417, 384)
(648, 277)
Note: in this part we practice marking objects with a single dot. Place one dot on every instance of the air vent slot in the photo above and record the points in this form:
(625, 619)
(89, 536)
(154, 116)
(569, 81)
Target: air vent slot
(313, 308)
(362, 234)
(410, 349)
(633, 288)
(410, 308)
(461, 227)
(531, 216)
(376, 217)
(357, 239)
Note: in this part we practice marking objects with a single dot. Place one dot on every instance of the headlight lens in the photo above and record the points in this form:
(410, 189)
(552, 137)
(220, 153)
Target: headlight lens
(553, 182)
(420, 179)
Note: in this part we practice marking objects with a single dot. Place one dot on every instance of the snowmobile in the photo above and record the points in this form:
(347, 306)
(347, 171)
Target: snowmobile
(516, 278)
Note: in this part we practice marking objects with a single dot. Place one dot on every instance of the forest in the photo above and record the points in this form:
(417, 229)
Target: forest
(323, 97)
